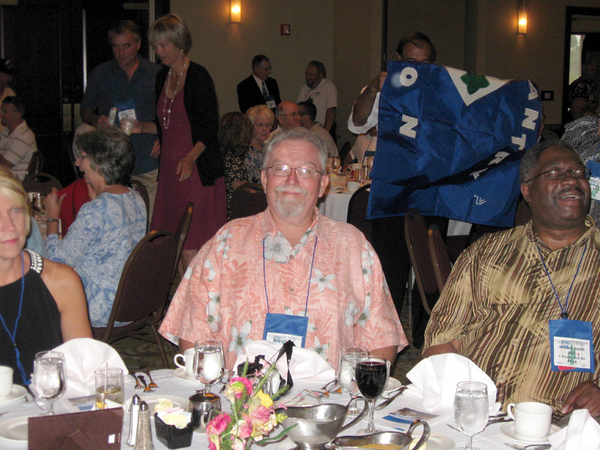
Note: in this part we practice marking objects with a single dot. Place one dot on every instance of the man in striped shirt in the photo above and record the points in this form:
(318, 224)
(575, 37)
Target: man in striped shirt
(507, 287)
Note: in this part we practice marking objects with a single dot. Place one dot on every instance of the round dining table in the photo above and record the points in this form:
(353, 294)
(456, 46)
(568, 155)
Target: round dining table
(179, 390)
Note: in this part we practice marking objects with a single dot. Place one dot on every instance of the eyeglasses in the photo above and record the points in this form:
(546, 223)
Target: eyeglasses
(560, 174)
(294, 114)
(283, 170)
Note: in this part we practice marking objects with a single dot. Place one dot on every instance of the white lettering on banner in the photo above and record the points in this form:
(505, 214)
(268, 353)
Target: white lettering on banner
(519, 141)
(479, 200)
(498, 157)
(533, 92)
(531, 116)
(476, 174)
(408, 128)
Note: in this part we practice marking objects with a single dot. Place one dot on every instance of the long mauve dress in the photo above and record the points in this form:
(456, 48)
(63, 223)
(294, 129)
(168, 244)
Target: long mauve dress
(172, 195)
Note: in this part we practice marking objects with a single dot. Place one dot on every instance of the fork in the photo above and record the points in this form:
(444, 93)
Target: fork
(143, 380)
(137, 383)
(152, 384)
(530, 446)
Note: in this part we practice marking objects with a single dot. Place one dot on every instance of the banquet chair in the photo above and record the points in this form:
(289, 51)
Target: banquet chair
(142, 292)
(141, 189)
(181, 235)
(523, 214)
(247, 200)
(41, 182)
(357, 211)
(36, 163)
(415, 233)
(439, 256)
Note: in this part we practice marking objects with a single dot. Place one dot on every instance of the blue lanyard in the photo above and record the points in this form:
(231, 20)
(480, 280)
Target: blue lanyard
(309, 275)
(565, 314)
(13, 335)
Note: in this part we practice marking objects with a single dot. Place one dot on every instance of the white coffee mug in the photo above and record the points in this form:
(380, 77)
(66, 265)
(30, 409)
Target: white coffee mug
(352, 186)
(188, 358)
(532, 419)
(6, 381)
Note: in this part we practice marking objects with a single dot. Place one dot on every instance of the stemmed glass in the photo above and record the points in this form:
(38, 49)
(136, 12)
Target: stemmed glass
(49, 380)
(209, 363)
(334, 163)
(471, 409)
(371, 377)
(349, 356)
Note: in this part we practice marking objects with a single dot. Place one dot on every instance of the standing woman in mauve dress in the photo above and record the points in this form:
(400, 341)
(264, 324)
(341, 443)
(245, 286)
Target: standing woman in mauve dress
(191, 166)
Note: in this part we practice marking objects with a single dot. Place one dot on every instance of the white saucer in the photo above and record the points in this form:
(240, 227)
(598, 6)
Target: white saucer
(182, 375)
(14, 429)
(16, 393)
(391, 386)
(508, 430)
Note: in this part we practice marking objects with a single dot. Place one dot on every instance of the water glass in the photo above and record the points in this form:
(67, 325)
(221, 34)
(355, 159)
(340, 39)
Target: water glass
(471, 409)
(49, 377)
(349, 356)
(209, 363)
(109, 387)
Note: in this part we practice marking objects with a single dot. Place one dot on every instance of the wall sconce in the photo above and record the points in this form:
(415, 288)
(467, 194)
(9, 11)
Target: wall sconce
(522, 18)
(236, 11)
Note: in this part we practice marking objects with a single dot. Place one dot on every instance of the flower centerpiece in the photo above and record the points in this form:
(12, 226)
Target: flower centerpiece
(253, 415)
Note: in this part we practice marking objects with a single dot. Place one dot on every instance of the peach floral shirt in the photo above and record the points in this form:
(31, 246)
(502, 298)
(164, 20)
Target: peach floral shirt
(222, 295)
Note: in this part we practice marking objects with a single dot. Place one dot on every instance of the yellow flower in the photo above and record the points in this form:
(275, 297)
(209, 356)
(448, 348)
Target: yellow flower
(265, 400)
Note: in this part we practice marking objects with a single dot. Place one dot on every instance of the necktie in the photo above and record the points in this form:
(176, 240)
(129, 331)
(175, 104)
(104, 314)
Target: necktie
(265, 93)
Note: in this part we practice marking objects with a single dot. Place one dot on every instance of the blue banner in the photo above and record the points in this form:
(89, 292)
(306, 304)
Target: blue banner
(449, 143)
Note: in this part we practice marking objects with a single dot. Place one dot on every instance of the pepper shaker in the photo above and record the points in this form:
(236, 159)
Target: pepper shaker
(144, 433)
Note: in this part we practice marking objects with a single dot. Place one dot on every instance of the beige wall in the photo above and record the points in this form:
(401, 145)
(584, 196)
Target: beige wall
(477, 35)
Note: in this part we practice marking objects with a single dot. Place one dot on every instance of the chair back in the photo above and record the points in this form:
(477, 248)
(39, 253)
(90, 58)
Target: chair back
(439, 257)
(247, 200)
(182, 231)
(145, 280)
(41, 182)
(523, 214)
(357, 211)
(36, 163)
(141, 189)
(415, 232)
(344, 151)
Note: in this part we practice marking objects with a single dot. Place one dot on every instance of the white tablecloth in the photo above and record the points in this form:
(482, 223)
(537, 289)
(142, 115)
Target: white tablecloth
(334, 204)
(491, 438)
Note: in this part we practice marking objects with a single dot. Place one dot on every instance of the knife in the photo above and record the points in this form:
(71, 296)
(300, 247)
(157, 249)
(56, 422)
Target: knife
(391, 399)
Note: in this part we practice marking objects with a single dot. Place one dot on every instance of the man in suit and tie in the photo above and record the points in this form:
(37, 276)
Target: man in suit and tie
(259, 88)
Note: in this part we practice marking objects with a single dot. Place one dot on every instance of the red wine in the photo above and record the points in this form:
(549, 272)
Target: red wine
(371, 378)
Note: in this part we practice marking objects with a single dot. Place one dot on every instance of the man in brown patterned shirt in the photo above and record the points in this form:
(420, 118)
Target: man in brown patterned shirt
(499, 299)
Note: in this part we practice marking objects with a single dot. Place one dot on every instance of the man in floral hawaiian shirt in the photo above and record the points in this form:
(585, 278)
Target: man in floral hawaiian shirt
(300, 262)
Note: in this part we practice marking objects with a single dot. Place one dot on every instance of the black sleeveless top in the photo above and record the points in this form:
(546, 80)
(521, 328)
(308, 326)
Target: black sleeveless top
(39, 326)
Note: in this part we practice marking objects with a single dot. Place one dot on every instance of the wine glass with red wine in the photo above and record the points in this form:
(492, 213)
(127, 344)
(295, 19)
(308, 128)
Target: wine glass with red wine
(371, 377)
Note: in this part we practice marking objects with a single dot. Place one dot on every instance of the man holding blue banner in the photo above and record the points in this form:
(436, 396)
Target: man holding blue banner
(522, 304)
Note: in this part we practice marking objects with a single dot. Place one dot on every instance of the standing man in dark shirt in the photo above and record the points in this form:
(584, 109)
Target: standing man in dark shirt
(127, 83)
(259, 88)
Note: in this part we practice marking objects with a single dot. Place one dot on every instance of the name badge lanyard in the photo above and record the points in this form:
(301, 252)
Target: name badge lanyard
(571, 341)
(280, 328)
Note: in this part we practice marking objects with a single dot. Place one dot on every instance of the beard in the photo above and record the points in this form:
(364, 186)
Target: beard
(290, 206)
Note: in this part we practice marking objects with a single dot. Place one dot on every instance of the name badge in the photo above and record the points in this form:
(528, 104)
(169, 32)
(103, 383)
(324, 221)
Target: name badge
(572, 345)
(270, 101)
(280, 328)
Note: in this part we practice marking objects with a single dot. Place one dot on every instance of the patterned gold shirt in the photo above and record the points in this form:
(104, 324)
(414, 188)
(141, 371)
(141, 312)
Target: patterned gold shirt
(499, 300)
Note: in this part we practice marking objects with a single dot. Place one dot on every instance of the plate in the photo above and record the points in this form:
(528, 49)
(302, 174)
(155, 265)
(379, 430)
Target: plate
(182, 375)
(391, 385)
(439, 442)
(14, 429)
(16, 393)
(508, 430)
(152, 400)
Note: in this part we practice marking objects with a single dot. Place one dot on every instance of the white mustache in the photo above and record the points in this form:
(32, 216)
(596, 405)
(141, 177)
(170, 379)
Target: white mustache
(295, 189)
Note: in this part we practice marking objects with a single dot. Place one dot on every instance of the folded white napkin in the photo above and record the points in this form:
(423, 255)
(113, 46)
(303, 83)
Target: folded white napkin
(582, 433)
(82, 357)
(306, 364)
(435, 378)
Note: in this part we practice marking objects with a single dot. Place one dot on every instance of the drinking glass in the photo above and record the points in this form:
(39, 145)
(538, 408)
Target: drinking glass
(49, 380)
(334, 164)
(471, 409)
(349, 356)
(371, 378)
(209, 363)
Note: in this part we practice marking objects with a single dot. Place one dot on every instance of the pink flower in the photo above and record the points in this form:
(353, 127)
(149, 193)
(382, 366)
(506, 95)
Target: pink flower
(218, 424)
(243, 381)
(258, 415)
(237, 388)
(244, 428)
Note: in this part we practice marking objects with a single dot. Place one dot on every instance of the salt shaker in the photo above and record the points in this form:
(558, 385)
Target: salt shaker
(144, 433)
(134, 410)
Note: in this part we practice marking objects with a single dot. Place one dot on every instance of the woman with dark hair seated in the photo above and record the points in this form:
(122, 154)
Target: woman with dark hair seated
(106, 229)
(42, 303)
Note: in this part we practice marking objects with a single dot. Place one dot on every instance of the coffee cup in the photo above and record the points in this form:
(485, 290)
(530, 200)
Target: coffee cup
(6, 381)
(352, 186)
(188, 361)
(532, 419)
